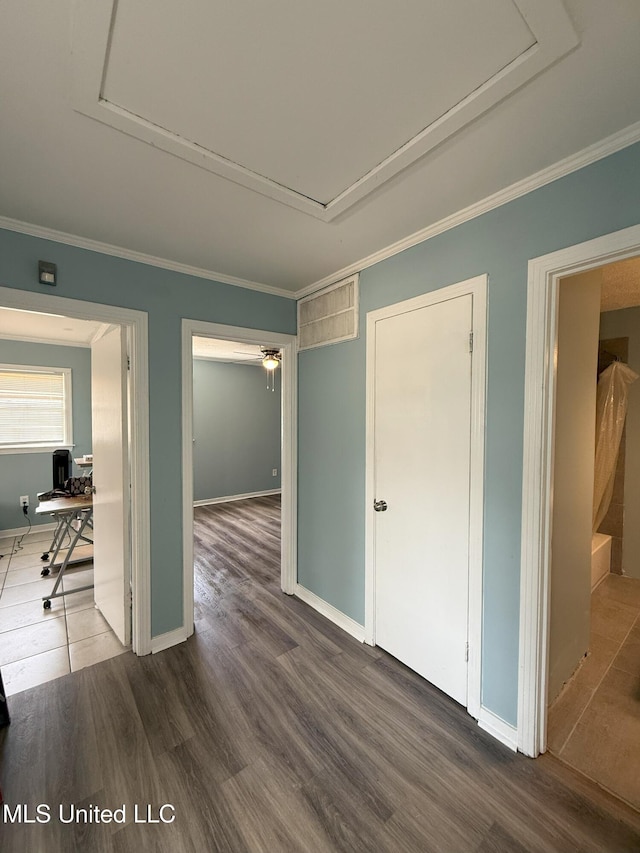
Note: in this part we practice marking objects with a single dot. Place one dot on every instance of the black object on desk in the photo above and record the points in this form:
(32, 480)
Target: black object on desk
(61, 467)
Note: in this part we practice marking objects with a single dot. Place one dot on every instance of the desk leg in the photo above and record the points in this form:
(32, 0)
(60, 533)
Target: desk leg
(55, 544)
(86, 520)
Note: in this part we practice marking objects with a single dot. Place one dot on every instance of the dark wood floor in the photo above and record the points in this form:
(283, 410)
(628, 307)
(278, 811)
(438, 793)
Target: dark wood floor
(271, 730)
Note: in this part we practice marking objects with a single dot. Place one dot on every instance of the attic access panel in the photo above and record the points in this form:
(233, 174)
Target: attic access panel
(311, 104)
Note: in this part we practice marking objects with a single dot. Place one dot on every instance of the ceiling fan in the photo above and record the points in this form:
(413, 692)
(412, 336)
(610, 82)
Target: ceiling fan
(270, 357)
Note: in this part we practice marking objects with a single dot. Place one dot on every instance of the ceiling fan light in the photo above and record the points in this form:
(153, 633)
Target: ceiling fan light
(270, 361)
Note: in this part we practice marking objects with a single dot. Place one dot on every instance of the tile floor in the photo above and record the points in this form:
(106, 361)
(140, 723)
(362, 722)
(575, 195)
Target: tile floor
(594, 724)
(38, 645)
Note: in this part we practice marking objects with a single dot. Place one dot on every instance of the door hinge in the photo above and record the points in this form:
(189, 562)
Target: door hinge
(466, 652)
(470, 341)
(128, 363)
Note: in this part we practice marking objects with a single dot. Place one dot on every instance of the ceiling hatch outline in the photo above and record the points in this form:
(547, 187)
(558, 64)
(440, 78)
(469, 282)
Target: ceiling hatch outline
(547, 20)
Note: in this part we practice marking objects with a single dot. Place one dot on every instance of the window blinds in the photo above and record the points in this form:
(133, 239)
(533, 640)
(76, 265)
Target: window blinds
(32, 407)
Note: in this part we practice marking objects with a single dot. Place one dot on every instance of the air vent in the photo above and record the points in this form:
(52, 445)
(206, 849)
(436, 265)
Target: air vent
(329, 316)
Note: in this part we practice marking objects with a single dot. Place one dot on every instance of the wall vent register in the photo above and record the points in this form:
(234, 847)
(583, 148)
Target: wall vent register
(329, 316)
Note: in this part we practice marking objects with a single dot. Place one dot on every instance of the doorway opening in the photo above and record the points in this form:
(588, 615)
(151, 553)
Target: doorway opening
(594, 609)
(239, 463)
(60, 628)
(541, 377)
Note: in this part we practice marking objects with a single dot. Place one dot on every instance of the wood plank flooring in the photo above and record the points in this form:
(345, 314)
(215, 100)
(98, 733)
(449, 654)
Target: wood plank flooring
(271, 730)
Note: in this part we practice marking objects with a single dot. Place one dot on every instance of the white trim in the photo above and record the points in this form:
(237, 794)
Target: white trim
(23, 531)
(170, 638)
(39, 448)
(136, 323)
(231, 498)
(138, 257)
(477, 288)
(498, 728)
(288, 462)
(537, 475)
(598, 151)
(355, 629)
(547, 20)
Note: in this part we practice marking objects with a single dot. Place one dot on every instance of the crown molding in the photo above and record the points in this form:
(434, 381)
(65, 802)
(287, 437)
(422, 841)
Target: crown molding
(598, 151)
(138, 257)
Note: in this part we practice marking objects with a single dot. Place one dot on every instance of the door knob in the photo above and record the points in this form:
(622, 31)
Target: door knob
(380, 506)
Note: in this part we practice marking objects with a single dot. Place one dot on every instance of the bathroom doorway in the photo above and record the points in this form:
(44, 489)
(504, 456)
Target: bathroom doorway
(594, 579)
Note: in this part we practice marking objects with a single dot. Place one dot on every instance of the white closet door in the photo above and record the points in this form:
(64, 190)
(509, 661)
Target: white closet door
(422, 471)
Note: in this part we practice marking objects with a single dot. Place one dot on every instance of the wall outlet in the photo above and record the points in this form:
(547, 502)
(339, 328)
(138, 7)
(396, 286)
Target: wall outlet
(274, 472)
(24, 500)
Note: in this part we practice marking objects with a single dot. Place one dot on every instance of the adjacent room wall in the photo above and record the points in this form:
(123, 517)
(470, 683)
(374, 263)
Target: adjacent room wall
(599, 199)
(573, 476)
(30, 473)
(236, 430)
(618, 324)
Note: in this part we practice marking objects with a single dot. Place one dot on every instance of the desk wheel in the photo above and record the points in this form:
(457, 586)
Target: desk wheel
(45, 571)
(45, 556)
(47, 604)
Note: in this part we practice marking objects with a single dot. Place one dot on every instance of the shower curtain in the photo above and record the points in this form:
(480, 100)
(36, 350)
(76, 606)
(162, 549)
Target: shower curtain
(611, 411)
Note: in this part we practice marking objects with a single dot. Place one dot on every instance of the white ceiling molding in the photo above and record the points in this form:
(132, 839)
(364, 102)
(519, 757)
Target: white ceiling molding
(139, 257)
(553, 37)
(616, 142)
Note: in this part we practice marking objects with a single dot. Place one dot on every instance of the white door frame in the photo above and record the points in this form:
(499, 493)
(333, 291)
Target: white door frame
(545, 273)
(288, 462)
(136, 324)
(477, 288)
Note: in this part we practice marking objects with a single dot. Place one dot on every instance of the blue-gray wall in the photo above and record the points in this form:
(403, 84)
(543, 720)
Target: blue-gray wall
(596, 200)
(236, 430)
(167, 297)
(30, 473)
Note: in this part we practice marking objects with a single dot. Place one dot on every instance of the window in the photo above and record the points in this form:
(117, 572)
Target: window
(35, 408)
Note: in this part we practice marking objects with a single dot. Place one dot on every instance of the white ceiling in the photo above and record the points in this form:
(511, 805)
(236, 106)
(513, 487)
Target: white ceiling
(281, 143)
(228, 351)
(46, 328)
(620, 285)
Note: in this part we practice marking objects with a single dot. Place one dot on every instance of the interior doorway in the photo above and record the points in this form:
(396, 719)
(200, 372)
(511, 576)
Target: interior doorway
(131, 598)
(65, 578)
(545, 274)
(248, 341)
(594, 713)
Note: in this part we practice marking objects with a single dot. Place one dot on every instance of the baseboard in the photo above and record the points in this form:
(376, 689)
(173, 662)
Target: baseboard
(229, 498)
(165, 641)
(330, 612)
(21, 531)
(498, 728)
